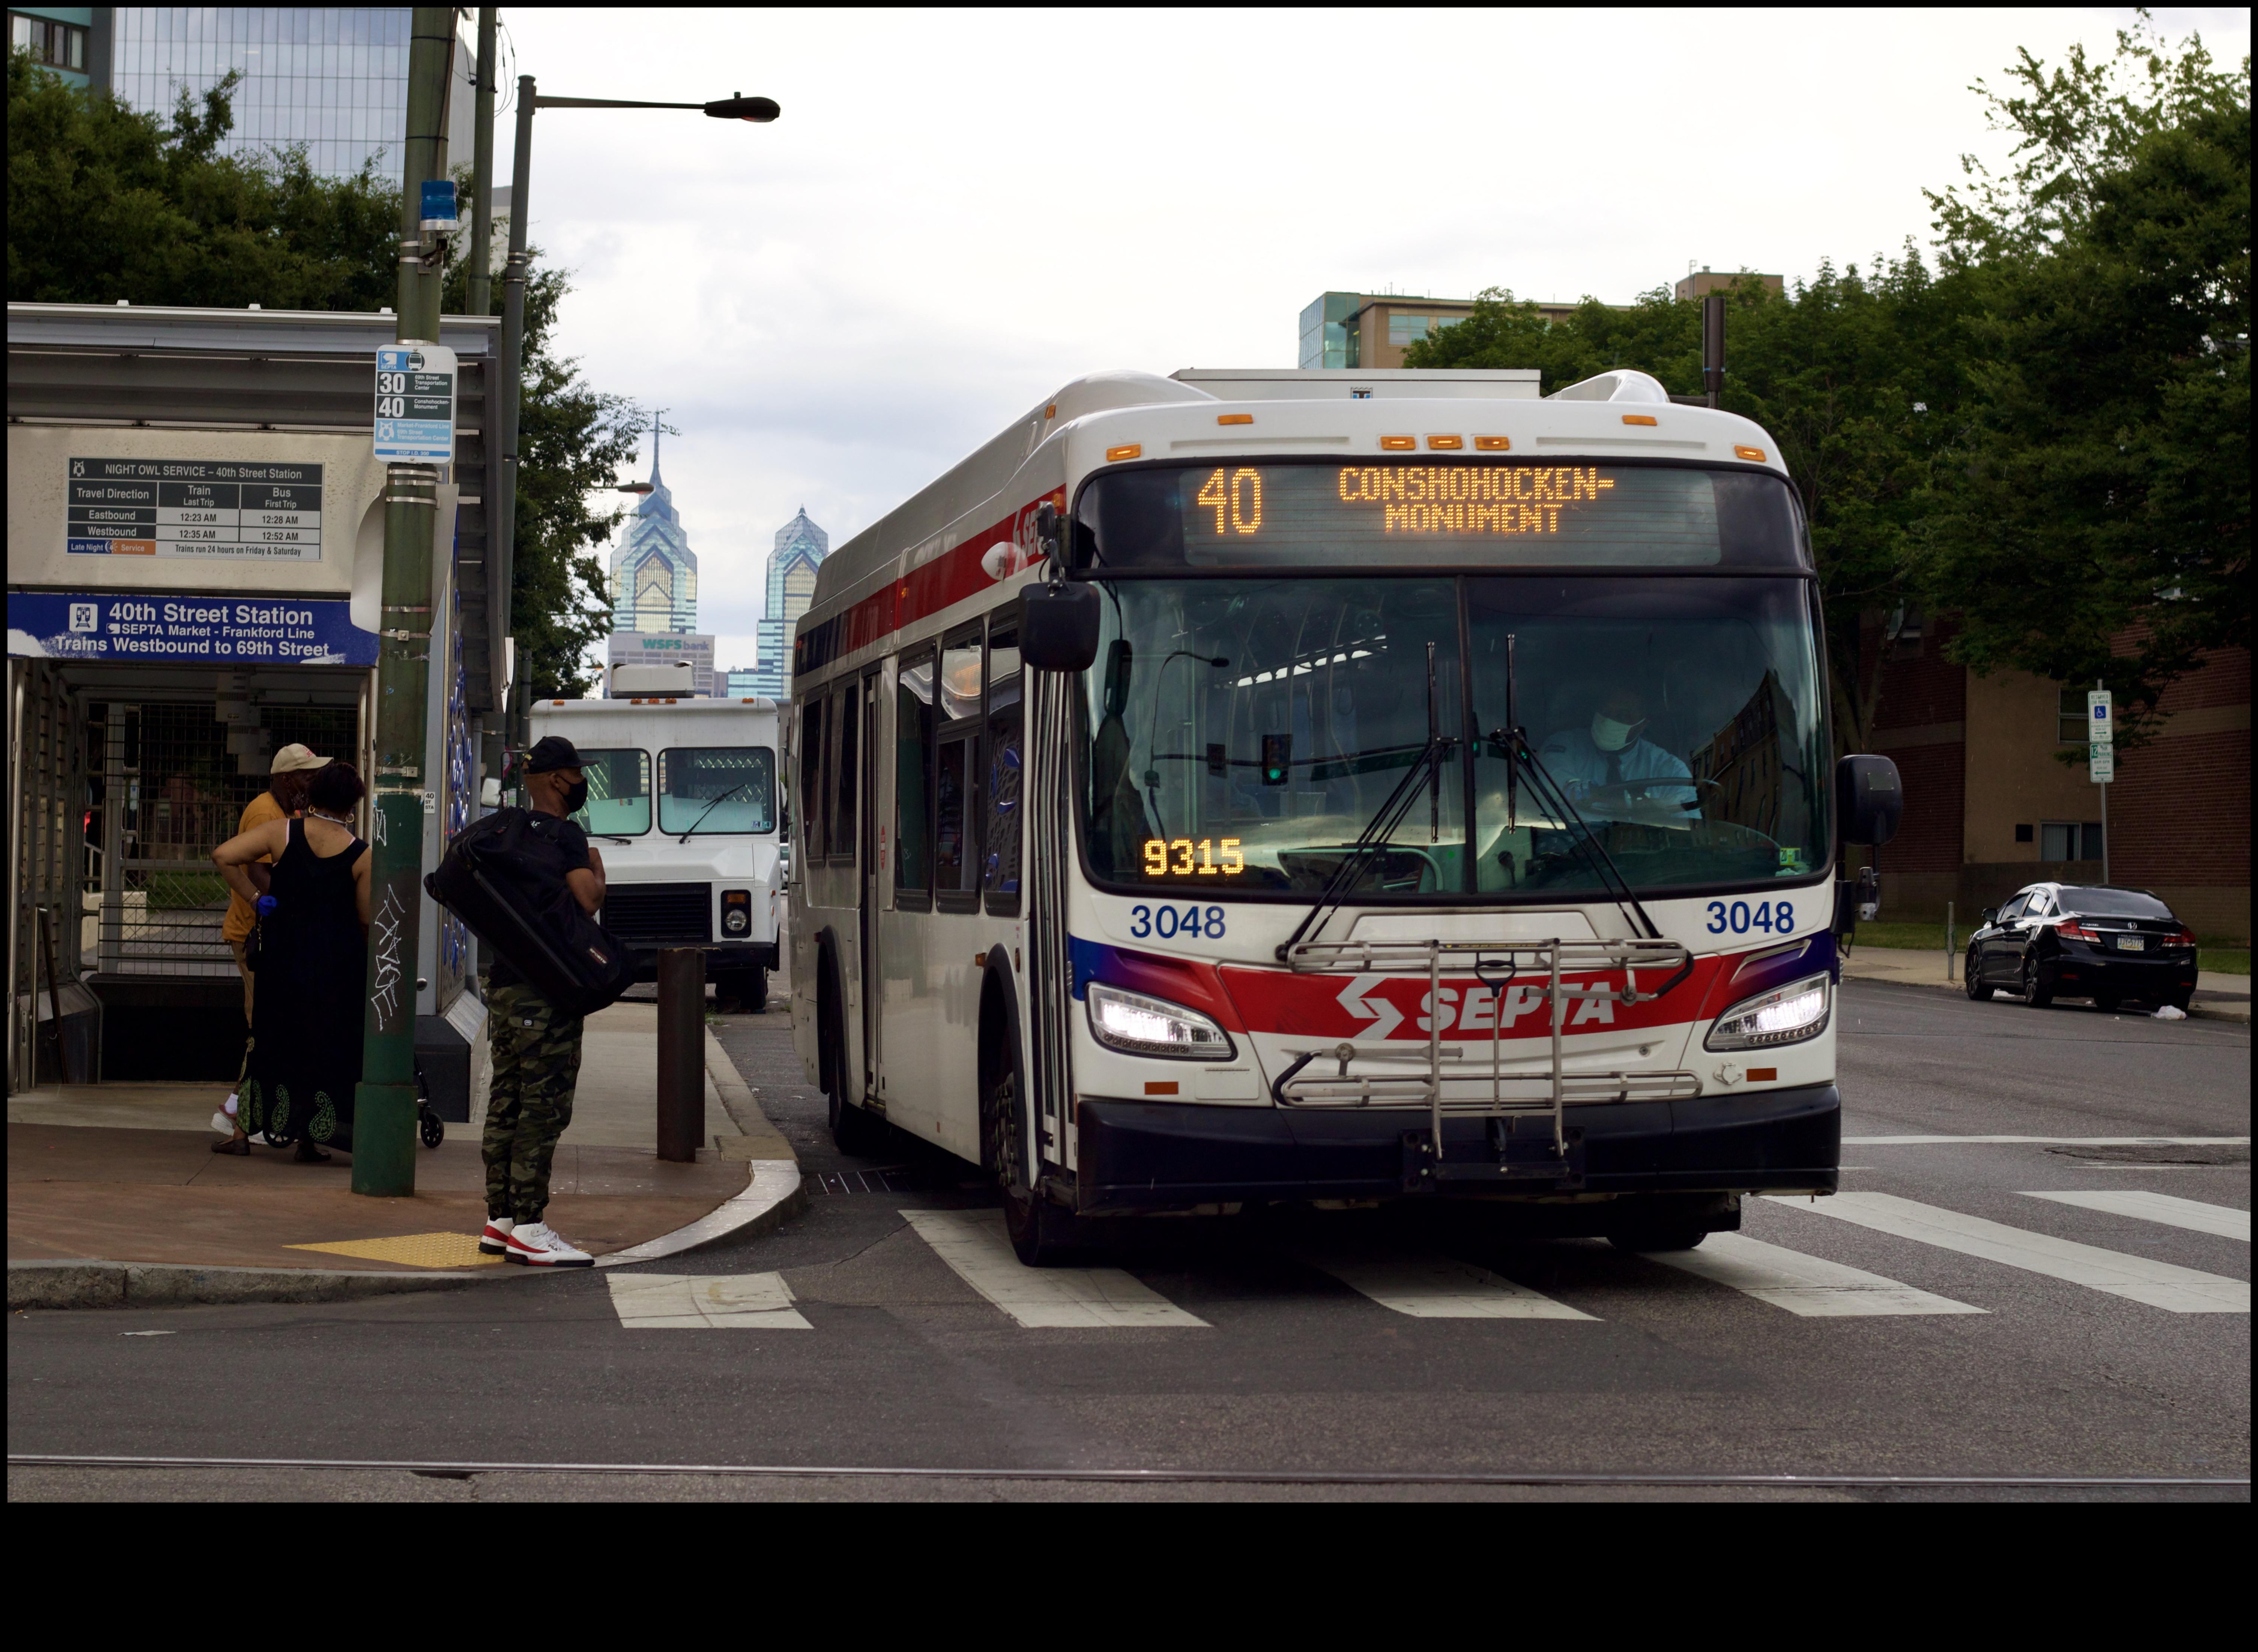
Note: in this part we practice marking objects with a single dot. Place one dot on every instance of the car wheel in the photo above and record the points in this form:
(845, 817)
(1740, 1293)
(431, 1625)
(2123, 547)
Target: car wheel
(2035, 993)
(2179, 1001)
(2106, 1003)
(1971, 976)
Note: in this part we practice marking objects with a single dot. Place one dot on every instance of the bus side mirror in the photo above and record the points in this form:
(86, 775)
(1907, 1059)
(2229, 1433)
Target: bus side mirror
(1058, 626)
(1868, 800)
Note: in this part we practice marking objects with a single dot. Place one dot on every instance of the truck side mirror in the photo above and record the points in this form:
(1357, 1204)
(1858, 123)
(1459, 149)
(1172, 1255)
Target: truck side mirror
(1869, 801)
(1058, 626)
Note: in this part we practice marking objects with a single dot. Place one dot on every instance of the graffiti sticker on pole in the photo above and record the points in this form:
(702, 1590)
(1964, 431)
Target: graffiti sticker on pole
(415, 404)
(2101, 727)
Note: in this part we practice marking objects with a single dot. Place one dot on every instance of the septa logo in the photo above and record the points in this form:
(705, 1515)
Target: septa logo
(1378, 1010)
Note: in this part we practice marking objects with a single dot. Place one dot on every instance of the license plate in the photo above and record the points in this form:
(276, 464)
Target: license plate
(2132, 943)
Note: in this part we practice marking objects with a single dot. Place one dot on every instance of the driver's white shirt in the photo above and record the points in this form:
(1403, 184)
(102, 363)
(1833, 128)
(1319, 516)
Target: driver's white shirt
(1573, 758)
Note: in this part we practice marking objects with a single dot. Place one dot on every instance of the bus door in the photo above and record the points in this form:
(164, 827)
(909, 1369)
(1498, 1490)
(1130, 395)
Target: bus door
(868, 872)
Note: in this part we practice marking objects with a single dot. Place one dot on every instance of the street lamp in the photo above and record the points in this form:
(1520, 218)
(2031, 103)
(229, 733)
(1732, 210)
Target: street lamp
(736, 106)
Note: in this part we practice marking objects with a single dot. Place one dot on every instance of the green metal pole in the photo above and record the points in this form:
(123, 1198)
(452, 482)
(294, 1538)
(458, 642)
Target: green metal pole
(384, 1104)
(513, 371)
(482, 171)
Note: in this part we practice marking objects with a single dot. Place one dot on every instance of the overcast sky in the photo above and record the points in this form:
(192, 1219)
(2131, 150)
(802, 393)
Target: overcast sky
(960, 211)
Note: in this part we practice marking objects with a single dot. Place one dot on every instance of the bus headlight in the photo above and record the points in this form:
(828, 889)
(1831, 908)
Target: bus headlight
(1137, 1026)
(736, 911)
(1788, 1015)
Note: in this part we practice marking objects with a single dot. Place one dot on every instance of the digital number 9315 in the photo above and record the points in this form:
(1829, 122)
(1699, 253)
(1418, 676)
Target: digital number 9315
(1181, 857)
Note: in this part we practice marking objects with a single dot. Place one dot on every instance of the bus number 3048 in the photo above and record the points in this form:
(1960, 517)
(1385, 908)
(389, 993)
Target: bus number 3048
(1169, 922)
(1773, 918)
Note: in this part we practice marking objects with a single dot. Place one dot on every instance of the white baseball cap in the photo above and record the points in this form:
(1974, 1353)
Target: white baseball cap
(291, 759)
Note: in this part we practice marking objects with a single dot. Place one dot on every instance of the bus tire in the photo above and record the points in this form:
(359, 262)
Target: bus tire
(1042, 1235)
(741, 991)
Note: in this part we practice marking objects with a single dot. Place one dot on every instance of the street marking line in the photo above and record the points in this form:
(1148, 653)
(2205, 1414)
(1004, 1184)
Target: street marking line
(1806, 1286)
(1440, 1287)
(704, 1301)
(2046, 1141)
(2222, 1221)
(2178, 1290)
(412, 1250)
(973, 1244)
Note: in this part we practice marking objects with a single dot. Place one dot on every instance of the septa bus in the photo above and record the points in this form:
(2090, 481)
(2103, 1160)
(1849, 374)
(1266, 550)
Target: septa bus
(1334, 787)
(683, 805)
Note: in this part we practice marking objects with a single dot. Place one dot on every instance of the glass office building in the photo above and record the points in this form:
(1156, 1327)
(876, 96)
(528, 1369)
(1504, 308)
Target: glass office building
(333, 78)
(800, 549)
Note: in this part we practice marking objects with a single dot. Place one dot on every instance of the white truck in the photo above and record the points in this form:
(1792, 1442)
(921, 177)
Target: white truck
(683, 804)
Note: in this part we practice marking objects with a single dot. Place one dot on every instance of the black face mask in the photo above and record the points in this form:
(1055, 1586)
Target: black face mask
(575, 798)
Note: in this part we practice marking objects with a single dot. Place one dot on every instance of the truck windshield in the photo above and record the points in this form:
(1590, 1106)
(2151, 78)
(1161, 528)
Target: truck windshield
(706, 790)
(619, 792)
(1240, 733)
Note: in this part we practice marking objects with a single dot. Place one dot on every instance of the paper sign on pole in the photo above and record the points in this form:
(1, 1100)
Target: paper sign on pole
(415, 404)
(2101, 725)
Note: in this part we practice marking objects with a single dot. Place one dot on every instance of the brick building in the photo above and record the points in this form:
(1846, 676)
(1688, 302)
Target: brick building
(1990, 805)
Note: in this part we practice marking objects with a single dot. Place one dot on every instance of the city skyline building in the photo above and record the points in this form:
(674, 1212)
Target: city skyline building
(654, 571)
(800, 549)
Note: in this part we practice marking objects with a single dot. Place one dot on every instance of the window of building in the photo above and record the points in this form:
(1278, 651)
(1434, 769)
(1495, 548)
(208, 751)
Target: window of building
(2072, 729)
(1410, 329)
(914, 756)
(1000, 871)
(2070, 840)
(61, 44)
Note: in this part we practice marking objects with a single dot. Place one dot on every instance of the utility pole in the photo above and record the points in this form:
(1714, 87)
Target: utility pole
(504, 519)
(383, 1106)
(482, 171)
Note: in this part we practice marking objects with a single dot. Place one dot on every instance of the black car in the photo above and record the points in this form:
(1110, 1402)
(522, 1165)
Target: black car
(2074, 941)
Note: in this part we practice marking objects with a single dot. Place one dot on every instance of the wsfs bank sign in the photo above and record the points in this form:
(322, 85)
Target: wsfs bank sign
(44, 625)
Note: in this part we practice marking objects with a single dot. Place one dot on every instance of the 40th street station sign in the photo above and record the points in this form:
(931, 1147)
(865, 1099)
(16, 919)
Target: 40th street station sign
(415, 404)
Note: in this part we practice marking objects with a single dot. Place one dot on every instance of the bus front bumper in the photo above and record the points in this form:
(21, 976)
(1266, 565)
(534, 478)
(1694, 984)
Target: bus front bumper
(1170, 1155)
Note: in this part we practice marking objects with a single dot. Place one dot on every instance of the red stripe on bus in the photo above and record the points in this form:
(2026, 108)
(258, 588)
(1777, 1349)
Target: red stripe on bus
(1392, 1007)
(944, 582)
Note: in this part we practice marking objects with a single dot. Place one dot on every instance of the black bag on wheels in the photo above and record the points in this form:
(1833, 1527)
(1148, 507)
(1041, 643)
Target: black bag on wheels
(486, 881)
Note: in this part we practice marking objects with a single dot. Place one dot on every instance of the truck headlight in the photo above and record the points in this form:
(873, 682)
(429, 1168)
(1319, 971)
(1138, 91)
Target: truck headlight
(1787, 1015)
(1137, 1026)
(736, 911)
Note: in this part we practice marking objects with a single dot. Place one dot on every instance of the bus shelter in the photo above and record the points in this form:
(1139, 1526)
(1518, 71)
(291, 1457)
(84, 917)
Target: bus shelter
(196, 547)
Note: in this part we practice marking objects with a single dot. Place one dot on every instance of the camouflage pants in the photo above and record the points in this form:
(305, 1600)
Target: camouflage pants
(537, 1065)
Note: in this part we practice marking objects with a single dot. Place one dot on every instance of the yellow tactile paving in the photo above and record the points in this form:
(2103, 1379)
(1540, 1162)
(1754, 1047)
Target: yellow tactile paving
(413, 1249)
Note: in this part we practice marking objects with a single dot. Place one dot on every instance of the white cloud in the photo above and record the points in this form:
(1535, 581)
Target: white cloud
(959, 211)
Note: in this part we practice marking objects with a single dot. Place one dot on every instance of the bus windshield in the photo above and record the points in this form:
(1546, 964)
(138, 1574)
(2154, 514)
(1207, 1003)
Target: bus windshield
(709, 788)
(1242, 734)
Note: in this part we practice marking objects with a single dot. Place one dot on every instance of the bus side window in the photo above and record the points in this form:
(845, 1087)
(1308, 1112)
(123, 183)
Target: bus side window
(914, 756)
(956, 776)
(846, 716)
(1000, 870)
(810, 779)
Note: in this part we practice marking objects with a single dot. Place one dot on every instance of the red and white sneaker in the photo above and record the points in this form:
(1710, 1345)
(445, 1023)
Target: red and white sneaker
(495, 1240)
(538, 1245)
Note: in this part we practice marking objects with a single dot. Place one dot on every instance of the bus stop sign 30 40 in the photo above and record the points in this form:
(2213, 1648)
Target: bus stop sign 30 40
(415, 404)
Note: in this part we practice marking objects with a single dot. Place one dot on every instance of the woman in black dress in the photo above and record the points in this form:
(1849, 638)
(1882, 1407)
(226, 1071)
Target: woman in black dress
(313, 968)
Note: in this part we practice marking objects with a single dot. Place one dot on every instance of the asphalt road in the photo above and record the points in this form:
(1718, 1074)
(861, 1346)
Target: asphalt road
(903, 1364)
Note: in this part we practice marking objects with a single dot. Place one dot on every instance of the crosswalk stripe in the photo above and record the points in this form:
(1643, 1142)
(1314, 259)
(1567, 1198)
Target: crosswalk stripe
(2220, 1220)
(704, 1301)
(1803, 1285)
(2178, 1290)
(1441, 1287)
(973, 1244)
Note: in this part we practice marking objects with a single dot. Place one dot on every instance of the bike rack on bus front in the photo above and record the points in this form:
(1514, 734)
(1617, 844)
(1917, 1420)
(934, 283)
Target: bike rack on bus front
(1494, 964)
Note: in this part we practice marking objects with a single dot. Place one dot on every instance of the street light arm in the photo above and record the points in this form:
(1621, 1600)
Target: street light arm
(752, 109)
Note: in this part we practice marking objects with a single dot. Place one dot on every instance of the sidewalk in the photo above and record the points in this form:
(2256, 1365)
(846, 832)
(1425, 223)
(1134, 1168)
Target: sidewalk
(124, 1174)
(2220, 998)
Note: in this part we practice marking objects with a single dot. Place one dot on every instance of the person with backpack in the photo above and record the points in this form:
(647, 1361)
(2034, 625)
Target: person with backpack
(535, 1046)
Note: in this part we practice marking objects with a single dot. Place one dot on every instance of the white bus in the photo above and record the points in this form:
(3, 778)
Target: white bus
(683, 804)
(1427, 793)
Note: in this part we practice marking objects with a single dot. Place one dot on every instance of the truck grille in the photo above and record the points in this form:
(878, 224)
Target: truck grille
(660, 914)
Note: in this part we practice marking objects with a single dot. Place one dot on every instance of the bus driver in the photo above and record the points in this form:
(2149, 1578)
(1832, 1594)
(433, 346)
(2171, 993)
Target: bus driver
(1602, 766)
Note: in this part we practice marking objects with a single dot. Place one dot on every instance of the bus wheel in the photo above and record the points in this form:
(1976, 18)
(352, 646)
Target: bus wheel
(1039, 1230)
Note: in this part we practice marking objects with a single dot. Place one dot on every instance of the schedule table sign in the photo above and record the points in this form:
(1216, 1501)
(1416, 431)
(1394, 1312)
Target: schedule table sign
(415, 404)
(193, 508)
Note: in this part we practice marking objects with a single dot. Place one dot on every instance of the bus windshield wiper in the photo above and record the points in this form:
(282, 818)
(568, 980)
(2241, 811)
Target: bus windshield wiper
(1552, 796)
(1377, 831)
(710, 807)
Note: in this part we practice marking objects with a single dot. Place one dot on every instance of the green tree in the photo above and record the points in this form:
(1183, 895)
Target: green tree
(2094, 520)
(106, 202)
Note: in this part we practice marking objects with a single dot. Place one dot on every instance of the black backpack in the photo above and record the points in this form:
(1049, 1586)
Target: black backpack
(489, 882)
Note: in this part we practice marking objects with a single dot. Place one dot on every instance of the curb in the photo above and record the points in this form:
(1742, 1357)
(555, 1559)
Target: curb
(2198, 1010)
(95, 1284)
(774, 1194)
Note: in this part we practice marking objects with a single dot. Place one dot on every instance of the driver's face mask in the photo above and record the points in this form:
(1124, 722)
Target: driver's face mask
(1611, 735)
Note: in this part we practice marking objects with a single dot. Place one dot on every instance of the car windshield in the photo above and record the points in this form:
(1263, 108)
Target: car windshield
(2112, 902)
(619, 792)
(1243, 733)
(716, 788)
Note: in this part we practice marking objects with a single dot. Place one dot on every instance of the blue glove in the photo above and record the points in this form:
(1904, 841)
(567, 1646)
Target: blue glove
(264, 905)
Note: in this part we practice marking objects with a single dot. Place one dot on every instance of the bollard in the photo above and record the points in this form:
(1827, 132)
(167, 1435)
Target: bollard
(681, 1053)
(1948, 952)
